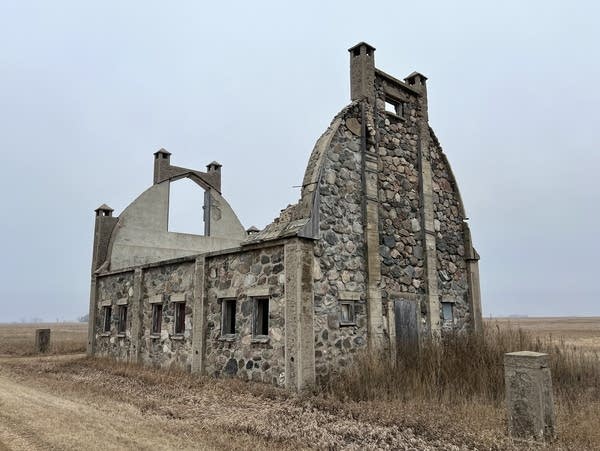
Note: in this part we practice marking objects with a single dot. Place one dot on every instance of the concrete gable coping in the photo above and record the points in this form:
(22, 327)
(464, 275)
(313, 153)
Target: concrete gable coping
(348, 296)
(257, 291)
(156, 299)
(106, 303)
(227, 293)
(122, 301)
(178, 297)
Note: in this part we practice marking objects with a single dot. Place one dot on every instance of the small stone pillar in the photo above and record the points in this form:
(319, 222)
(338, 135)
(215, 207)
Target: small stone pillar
(529, 396)
(42, 340)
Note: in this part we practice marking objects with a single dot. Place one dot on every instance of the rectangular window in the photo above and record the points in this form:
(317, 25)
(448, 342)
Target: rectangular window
(107, 318)
(447, 312)
(122, 319)
(228, 307)
(179, 318)
(395, 107)
(157, 310)
(390, 107)
(347, 313)
(261, 317)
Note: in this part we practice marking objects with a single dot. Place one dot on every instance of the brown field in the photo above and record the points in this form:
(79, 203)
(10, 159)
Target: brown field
(71, 402)
(582, 332)
(66, 338)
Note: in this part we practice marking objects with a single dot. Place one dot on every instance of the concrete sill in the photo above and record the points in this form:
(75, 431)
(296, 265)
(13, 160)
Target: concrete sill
(105, 334)
(260, 340)
(228, 338)
(347, 324)
(154, 336)
(394, 115)
(177, 337)
(121, 335)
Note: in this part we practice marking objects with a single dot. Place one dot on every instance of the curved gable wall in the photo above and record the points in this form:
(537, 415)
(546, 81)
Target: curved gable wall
(141, 234)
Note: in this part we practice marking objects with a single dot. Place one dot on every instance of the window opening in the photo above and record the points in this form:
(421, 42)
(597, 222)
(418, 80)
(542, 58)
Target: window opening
(157, 310)
(107, 318)
(179, 318)
(390, 107)
(122, 319)
(261, 316)
(447, 312)
(186, 207)
(228, 307)
(347, 313)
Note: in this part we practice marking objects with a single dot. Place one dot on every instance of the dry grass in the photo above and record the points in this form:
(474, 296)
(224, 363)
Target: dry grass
(19, 339)
(448, 397)
(119, 406)
(468, 370)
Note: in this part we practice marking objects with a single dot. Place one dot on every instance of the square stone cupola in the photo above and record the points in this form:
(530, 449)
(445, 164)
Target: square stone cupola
(416, 79)
(104, 210)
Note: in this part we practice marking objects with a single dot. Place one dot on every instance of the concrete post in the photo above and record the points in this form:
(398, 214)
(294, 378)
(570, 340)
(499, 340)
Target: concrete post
(474, 295)
(42, 340)
(370, 169)
(91, 344)
(137, 315)
(529, 396)
(299, 310)
(198, 316)
(427, 213)
(103, 227)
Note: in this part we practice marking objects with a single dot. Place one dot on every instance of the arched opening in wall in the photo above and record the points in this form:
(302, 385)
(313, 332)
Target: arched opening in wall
(186, 212)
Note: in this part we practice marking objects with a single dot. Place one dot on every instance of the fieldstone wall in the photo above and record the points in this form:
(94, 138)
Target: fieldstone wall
(244, 276)
(340, 261)
(167, 349)
(111, 289)
(400, 221)
(450, 242)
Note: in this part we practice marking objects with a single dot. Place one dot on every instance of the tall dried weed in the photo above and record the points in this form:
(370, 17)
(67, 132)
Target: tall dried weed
(464, 367)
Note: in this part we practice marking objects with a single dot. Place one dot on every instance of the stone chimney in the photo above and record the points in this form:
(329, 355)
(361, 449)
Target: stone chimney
(362, 72)
(162, 160)
(104, 225)
(214, 172)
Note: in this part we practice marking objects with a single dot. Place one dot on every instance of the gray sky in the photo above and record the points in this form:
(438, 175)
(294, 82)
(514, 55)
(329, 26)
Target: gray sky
(89, 90)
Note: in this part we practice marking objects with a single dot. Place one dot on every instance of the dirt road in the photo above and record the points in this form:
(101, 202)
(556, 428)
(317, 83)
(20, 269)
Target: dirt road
(74, 403)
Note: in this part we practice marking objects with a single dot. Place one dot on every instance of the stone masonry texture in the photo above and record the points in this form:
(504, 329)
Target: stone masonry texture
(380, 224)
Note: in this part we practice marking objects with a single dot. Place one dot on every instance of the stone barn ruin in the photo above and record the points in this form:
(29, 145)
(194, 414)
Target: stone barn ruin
(375, 254)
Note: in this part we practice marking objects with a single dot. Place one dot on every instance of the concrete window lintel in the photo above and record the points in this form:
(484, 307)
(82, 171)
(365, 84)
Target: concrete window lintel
(156, 299)
(227, 293)
(106, 303)
(178, 297)
(445, 300)
(122, 301)
(257, 292)
(348, 296)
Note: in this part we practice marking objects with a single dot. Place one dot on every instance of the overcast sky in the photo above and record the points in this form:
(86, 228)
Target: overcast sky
(89, 90)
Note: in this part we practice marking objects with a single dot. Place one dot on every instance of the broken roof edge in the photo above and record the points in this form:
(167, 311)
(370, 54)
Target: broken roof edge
(301, 219)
